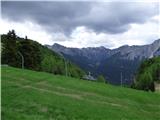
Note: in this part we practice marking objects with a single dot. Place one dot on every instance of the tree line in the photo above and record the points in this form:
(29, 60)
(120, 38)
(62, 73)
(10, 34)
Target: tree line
(36, 56)
(148, 73)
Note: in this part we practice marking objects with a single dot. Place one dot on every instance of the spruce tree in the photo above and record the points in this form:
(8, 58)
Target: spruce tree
(9, 55)
(31, 54)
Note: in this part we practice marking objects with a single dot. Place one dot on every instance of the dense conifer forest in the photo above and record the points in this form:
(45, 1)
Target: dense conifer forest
(23, 52)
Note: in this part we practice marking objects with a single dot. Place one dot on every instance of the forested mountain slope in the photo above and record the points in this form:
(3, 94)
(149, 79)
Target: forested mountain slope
(16, 50)
(147, 74)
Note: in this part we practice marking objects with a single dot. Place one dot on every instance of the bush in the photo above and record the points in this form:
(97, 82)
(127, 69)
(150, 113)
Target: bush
(101, 79)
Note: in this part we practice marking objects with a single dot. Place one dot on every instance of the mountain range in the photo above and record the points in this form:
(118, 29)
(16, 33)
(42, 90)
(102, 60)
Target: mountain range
(115, 65)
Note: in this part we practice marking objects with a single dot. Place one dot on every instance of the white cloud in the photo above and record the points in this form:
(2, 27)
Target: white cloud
(139, 34)
(83, 37)
(32, 30)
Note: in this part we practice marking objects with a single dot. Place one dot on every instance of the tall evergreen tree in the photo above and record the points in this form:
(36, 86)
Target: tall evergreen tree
(9, 55)
(31, 54)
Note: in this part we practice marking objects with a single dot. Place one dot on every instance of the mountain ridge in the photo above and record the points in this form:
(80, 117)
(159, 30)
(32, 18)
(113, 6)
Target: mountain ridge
(156, 41)
(99, 59)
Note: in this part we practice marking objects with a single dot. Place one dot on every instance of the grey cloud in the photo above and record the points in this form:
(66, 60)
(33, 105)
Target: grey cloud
(107, 17)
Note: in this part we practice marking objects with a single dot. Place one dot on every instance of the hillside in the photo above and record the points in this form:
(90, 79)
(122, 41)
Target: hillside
(147, 74)
(30, 95)
(36, 56)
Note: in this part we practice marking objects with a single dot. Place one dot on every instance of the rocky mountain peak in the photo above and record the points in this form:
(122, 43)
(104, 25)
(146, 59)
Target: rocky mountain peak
(100, 60)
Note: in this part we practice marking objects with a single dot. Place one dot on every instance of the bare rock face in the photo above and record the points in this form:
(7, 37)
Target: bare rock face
(101, 53)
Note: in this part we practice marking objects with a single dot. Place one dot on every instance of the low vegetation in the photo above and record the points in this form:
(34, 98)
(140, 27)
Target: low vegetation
(30, 95)
(101, 79)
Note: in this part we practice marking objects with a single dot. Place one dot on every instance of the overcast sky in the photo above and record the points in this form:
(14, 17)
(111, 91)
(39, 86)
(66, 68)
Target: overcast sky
(83, 24)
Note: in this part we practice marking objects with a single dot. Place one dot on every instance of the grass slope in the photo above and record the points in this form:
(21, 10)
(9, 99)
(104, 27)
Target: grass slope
(29, 95)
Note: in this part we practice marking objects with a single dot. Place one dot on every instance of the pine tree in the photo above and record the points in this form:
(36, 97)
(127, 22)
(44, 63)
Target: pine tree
(31, 53)
(9, 55)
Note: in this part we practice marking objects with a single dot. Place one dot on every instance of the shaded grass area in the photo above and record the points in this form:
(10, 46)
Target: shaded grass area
(31, 95)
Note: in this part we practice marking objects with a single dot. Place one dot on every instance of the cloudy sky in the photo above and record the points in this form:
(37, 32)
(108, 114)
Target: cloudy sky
(83, 24)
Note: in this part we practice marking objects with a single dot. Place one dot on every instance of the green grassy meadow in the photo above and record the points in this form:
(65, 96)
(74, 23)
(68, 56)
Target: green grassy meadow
(30, 95)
